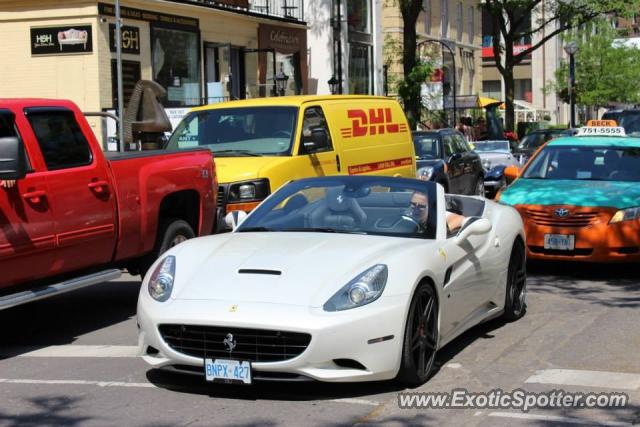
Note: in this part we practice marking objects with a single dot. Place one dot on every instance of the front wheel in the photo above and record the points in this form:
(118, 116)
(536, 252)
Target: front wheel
(171, 232)
(515, 304)
(420, 337)
(479, 187)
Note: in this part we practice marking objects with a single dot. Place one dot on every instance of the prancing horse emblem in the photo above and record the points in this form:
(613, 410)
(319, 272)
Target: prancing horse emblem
(229, 342)
(340, 199)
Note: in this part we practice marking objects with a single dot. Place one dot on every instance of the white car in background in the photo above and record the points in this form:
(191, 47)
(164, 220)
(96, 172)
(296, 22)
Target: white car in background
(333, 279)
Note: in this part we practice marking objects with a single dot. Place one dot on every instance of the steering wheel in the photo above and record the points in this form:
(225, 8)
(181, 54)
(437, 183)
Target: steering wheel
(413, 221)
(284, 133)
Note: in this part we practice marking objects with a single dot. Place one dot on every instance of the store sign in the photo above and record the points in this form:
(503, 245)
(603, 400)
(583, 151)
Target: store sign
(61, 40)
(130, 39)
(172, 21)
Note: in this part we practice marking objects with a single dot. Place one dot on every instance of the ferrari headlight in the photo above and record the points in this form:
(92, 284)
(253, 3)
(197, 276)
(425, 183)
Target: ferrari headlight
(628, 214)
(363, 289)
(161, 281)
(425, 173)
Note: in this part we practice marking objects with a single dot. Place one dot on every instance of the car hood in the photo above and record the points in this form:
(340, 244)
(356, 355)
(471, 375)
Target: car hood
(496, 158)
(233, 169)
(613, 194)
(312, 266)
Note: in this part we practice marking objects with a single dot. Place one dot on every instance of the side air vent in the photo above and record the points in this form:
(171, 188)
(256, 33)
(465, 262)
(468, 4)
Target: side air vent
(259, 271)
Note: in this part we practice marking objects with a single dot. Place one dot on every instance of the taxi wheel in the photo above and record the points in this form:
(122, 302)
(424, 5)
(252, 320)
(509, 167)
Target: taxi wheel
(420, 337)
(515, 304)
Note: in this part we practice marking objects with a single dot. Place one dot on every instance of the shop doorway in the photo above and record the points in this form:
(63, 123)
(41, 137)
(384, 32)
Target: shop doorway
(225, 74)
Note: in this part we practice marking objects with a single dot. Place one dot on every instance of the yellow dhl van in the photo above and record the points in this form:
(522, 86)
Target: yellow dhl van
(260, 144)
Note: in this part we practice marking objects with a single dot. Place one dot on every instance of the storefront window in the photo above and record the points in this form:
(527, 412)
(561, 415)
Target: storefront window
(176, 66)
(358, 15)
(360, 68)
(289, 64)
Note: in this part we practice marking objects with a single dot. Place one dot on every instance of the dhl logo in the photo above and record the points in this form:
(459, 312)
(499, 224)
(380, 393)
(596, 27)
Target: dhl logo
(376, 121)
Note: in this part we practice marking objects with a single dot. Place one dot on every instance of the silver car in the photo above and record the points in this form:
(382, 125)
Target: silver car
(495, 157)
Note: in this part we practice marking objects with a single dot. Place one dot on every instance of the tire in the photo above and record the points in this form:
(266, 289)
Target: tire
(478, 189)
(515, 300)
(171, 232)
(420, 342)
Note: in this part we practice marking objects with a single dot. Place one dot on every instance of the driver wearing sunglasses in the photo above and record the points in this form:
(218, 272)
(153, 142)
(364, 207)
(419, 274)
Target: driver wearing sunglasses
(418, 210)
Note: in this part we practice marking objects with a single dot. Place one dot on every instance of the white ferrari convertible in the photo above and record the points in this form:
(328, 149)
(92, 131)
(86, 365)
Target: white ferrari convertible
(336, 279)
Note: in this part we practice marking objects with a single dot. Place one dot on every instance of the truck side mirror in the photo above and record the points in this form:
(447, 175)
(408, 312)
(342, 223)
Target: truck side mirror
(319, 141)
(145, 119)
(13, 164)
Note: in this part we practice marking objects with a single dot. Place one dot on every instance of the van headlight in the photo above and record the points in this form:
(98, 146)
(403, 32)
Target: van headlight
(628, 214)
(248, 190)
(161, 281)
(363, 289)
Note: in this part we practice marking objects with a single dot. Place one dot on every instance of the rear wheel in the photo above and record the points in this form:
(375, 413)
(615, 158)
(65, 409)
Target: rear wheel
(171, 232)
(420, 337)
(515, 304)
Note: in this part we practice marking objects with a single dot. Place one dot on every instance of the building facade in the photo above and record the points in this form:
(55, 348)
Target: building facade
(534, 102)
(457, 24)
(345, 41)
(200, 51)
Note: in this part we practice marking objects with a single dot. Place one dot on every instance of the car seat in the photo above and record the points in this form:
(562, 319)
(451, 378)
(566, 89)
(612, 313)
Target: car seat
(337, 211)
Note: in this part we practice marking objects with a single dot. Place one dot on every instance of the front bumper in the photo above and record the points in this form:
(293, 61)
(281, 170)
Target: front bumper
(338, 335)
(595, 239)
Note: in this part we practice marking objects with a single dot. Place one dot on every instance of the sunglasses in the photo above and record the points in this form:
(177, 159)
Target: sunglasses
(418, 205)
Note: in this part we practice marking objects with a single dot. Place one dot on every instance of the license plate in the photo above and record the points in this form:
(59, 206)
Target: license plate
(561, 242)
(227, 371)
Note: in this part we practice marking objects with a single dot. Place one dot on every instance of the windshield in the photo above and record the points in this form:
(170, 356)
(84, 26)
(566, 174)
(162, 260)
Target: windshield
(491, 146)
(630, 121)
(536, 139)
(427, 146)
(586, 163)
(347, 204)
(255, 131)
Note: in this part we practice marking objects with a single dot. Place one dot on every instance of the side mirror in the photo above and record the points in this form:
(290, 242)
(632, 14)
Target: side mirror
(13, 164)
(479, 226)
(319, 141)
(511, 173)
(234, 219)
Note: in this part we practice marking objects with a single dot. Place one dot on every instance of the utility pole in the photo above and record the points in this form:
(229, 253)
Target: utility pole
(119, 77)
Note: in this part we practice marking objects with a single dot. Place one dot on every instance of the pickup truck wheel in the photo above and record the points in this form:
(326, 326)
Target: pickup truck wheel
(171, 232)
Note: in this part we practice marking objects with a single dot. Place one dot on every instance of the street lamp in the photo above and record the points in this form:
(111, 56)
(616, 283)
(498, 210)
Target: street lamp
(281, 82)
(333, 85)
(572, 48)
(453, 58)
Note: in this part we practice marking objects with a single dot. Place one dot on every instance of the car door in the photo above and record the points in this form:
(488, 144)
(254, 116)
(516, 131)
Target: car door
(27, 235)
(81, 195)
(469, 283)
(322, 163)
(455, 164)
(472, 164)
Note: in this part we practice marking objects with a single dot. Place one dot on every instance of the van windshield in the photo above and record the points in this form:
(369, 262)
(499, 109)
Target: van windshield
(232, 132)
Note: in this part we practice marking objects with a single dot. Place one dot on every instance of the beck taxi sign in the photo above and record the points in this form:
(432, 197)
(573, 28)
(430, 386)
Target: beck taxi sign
(602, 123)
(601, 128)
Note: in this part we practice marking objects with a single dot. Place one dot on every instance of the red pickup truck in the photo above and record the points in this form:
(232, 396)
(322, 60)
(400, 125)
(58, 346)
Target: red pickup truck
(72, 216)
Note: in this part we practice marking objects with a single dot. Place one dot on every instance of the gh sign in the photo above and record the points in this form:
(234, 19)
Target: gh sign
(130, 39)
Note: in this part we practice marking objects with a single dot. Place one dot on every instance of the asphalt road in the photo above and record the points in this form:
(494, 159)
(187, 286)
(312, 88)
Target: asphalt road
(71, 361)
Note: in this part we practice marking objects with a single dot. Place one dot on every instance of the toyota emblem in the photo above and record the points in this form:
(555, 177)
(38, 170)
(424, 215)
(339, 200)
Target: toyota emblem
(561, 212)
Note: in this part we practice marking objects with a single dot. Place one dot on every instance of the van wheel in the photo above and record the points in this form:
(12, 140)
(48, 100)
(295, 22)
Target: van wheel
(171, 232)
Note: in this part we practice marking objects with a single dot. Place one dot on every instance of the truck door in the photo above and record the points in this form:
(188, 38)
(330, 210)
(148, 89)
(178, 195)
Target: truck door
(82, 196)
(319, 163)
(27, 236)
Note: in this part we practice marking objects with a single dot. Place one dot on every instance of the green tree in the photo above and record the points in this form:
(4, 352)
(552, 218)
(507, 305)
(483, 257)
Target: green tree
(604, 73)
(415, 70)
(508, 27)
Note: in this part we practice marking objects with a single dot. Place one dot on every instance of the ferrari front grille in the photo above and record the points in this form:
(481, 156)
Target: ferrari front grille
(255, 345)
(574, 219)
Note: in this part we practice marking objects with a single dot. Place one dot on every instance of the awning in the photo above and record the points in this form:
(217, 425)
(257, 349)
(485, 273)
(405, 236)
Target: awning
(464, 102)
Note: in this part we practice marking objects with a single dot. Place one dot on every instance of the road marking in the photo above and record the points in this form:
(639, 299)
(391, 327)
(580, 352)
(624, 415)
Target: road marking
(554, 418)
(356, 401)
(617, 380)
(78, 382)
(73, 350)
